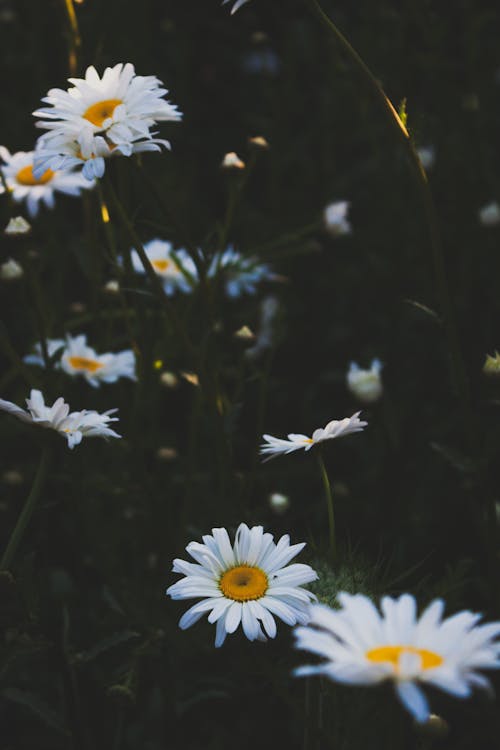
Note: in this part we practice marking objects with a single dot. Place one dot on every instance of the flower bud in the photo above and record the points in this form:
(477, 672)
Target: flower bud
(366, 385)
(335, 218)
(10, 270)
(17, 225)
(279, 503)
(489, 215)
(169, 379)
(491, 366)
(232, 161)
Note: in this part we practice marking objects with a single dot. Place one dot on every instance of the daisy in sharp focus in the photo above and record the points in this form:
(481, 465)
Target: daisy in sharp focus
(73, 426)
(175, 267)
(360, 646)
(100, 115)
(336, 428)
(241, 275)
(24, 186)
(245, 583)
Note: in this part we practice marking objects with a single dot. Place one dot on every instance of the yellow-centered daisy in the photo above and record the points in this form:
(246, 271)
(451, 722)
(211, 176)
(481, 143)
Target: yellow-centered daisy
(361, 646)
(245, 583)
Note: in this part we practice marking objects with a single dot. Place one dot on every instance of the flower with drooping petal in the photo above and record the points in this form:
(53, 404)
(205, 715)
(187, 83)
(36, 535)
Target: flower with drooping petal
(247, 582)
(73, 426)
(335, 218)
(236, 5)
(24, 186)
(102, 115)
(175, 267)
(366, 385)
(336, 428)
(240, 274)
(360, 646)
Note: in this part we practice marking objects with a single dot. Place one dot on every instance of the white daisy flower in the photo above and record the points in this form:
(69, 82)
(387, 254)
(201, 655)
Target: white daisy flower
(24, 186)
(363, 647)
(77, 358)
(335, 218)
(245, 583)
(366, 385)
(118, 109)
(175, 267)
(336, 428)
(64, 152)
(241, 274)
(73, 426)
(36, 358)
(236, 6)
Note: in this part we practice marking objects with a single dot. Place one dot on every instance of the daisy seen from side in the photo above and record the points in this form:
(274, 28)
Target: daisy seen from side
(248, 583)
(274, 446)
(361, 646)
(73, 426)
(24, 186)
(240, 274)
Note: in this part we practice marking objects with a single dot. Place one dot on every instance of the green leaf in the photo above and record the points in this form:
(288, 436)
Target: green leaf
(37, 706)
(113, 640)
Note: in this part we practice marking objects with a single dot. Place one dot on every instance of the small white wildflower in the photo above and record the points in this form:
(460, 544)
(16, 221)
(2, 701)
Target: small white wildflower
(279, 503)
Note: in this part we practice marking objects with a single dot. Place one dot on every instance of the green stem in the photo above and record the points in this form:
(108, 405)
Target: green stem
(458, 373)
(146, 263)
(329, 506)
(29, 507)
(75, 41)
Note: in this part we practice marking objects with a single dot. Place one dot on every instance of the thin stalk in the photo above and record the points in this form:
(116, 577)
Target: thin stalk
(236, 187)
(146, 263)
(329, 506)
(75, 41)
(29, 507)
(458, 373)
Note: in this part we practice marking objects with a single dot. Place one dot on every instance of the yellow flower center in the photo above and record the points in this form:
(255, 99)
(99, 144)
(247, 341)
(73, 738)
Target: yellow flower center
(100, 111)
(82, 363)
(391, 654)
(160, 265)
(25, 176)
(243, 583)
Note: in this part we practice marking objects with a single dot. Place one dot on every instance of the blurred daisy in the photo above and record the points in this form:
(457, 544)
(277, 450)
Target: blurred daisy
(175, 267)
(427, 156)
(247, 582)
(335, 218)
(241, 275)
(334, 429)
(363, 647)
(11, 270)
(366, 385)
(117, 110)
(66, 153)
(24, 186)
(237, 4)
(77, 358)
(73, 426)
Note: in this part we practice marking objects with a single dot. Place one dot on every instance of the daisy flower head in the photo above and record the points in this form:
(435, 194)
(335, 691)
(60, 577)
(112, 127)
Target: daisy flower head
(274, 446)
(248, 583)
(175, 267)
(116, 111)
(80, 359)
(362, 646)
(23, 185)
(241, 275)
(73, 426)
(366, 385)
(236, 5)
(36, 357)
